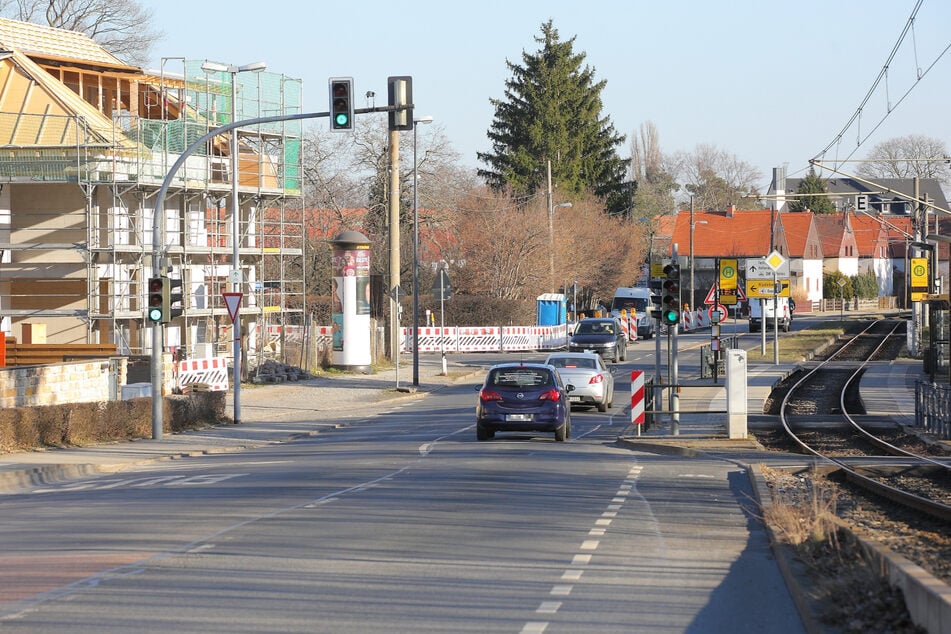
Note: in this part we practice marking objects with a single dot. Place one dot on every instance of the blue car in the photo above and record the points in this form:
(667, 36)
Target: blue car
(523, 397)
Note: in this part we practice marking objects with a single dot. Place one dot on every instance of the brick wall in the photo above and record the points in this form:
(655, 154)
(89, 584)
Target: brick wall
(87, 381)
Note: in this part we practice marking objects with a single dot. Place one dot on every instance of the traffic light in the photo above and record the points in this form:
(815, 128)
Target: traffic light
(157, 301)
(400, 95)
(656, 288)
(341, 104)
(670, 313)
(175, 299)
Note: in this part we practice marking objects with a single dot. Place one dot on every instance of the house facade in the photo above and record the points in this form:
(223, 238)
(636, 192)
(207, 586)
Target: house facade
(88, 142)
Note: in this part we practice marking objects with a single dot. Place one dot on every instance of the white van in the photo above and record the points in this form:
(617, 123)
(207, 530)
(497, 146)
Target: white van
(638, 299)
(783, 308)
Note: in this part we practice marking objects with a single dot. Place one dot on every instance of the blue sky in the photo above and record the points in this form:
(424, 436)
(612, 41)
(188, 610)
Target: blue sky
(773, 83)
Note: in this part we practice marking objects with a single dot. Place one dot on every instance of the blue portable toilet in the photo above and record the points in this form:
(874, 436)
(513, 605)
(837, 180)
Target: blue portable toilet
(552, 309)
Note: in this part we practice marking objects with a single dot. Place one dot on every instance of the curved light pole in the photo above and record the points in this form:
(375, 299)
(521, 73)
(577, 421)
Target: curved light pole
(416, 122)
(253, 67)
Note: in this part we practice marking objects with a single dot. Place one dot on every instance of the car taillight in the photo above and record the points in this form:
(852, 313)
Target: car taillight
(550, 395)
(597, 378)
(489, 395)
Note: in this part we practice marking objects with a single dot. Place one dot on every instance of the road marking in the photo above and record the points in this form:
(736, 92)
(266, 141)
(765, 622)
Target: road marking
(572, 575)
(609, 514)
(603, 522)
(580, 560)
(590, 544)
(617, 500)
(536, 627)
(596, 532)
(548, 607)
(561, 590)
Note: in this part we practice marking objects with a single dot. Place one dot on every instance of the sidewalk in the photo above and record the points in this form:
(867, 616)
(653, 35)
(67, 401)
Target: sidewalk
(270, 414)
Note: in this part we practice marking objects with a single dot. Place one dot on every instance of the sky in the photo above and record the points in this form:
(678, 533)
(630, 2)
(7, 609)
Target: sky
(772, 83)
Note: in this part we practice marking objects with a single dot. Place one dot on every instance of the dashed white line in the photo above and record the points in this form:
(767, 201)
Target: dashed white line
(534, 627)
(609, 514)
(580, 560)
(603, 522)
(561, 590)
(590, 544)
(572, 575)
(597, 532)
(548, 607)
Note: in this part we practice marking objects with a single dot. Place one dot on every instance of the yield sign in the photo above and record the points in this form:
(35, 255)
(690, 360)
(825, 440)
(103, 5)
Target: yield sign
(233, 300)
(711, 294)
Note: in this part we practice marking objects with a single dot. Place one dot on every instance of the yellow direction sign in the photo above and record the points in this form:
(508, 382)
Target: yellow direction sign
(759, 289)
(727, 274)
(657, 269)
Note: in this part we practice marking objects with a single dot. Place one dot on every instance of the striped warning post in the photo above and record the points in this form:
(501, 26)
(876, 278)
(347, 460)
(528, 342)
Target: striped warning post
(209, 375)
(637, 397)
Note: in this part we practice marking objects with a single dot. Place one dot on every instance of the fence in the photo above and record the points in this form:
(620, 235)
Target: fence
(933, 408)
(707, 357)
(486, 338)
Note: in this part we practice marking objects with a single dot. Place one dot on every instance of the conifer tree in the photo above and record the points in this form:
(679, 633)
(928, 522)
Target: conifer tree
(812, 184)
(552, 112)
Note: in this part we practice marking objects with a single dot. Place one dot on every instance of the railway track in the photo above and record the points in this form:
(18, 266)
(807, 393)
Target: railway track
(818, 414)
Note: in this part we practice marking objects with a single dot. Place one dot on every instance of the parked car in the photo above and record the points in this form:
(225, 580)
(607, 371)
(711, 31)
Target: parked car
(523, 397)
(602, 335)
(587, 372)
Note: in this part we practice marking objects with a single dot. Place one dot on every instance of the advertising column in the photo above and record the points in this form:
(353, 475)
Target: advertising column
(350, 302)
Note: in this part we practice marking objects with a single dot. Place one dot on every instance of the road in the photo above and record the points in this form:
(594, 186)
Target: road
(400, 522)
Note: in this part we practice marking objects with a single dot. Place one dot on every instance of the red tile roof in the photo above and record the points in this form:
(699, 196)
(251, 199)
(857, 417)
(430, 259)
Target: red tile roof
(724, 234)
(795, 229)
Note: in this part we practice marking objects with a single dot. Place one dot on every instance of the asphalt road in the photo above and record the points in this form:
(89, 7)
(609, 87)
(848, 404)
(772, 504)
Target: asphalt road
(400, 522)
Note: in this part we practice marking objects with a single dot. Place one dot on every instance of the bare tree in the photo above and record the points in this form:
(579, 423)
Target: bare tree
(907, 157)
(653, 195)
(716, 179)
(122, 27)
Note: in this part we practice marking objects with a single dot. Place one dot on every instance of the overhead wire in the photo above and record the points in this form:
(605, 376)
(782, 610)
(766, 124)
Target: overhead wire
(856, 118)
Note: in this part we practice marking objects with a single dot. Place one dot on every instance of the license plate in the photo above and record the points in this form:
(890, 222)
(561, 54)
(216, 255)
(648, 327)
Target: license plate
(518, 417)
(574, 399)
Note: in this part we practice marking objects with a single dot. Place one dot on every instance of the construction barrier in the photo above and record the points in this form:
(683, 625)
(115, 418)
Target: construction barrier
(202, 375)
(487, 339)
(637, 397)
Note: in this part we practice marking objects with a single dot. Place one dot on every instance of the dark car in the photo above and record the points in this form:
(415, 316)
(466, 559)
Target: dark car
(602, 335)
(523, 397)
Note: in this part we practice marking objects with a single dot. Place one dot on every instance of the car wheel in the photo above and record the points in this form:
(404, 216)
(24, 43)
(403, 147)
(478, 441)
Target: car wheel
(624, 350)
(561, 433)
(603, 407)
(482, 433)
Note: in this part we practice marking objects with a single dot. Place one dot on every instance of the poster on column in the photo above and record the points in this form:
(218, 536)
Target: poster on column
(351, 305)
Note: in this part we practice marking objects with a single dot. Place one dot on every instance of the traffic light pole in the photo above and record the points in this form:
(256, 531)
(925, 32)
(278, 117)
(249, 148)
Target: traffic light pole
(675, 362)
(158, 251)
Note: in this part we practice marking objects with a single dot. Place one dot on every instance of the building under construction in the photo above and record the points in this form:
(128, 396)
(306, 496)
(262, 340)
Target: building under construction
(86, 142)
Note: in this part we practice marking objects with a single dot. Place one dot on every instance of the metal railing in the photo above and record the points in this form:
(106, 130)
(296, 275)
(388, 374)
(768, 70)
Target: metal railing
(933, 408)
(707, 356)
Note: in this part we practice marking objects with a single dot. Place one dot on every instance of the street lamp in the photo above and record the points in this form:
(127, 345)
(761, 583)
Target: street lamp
(692, 225)
(253, 67)
(416, 122)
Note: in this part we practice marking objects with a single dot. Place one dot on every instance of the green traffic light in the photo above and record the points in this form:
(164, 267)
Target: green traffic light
(671, 317)
(155, 314)
(341, 119)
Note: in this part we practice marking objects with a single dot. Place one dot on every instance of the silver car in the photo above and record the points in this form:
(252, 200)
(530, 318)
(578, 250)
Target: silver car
(590, 376)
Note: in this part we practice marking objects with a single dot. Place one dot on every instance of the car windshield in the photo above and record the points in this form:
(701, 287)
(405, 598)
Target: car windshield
(596, 328)
(520, 377)
(572, 362)
(629, 304)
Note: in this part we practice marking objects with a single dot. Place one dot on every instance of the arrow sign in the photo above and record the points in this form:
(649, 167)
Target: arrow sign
(232, 301)
(760, 289)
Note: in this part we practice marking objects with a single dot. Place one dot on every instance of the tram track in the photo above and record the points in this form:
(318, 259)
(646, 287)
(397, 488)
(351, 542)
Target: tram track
(815, 414)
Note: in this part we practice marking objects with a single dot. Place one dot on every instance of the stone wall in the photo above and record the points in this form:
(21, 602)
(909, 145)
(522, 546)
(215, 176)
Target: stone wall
(86, 381)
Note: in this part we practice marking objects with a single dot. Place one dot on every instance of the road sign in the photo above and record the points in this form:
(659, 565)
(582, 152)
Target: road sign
(775, 261)
(919, 274)
(730, 297)
(233, 301)
(759, 289)
(727, 274)
(637, 397)
(760, 269)
(717, 313)
(442, 287)
(861, 203)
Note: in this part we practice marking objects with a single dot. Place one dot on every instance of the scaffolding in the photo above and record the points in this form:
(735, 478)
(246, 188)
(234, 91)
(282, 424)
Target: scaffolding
(77, 196)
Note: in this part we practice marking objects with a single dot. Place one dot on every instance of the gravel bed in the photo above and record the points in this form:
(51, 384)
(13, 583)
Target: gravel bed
(848, 592)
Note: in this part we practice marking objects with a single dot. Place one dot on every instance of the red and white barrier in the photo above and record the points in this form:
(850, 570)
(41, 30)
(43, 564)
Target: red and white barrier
(202, 374)
(637, 397)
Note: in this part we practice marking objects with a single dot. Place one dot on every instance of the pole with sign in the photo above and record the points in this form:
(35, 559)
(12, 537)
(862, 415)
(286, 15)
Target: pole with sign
(233, 303)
